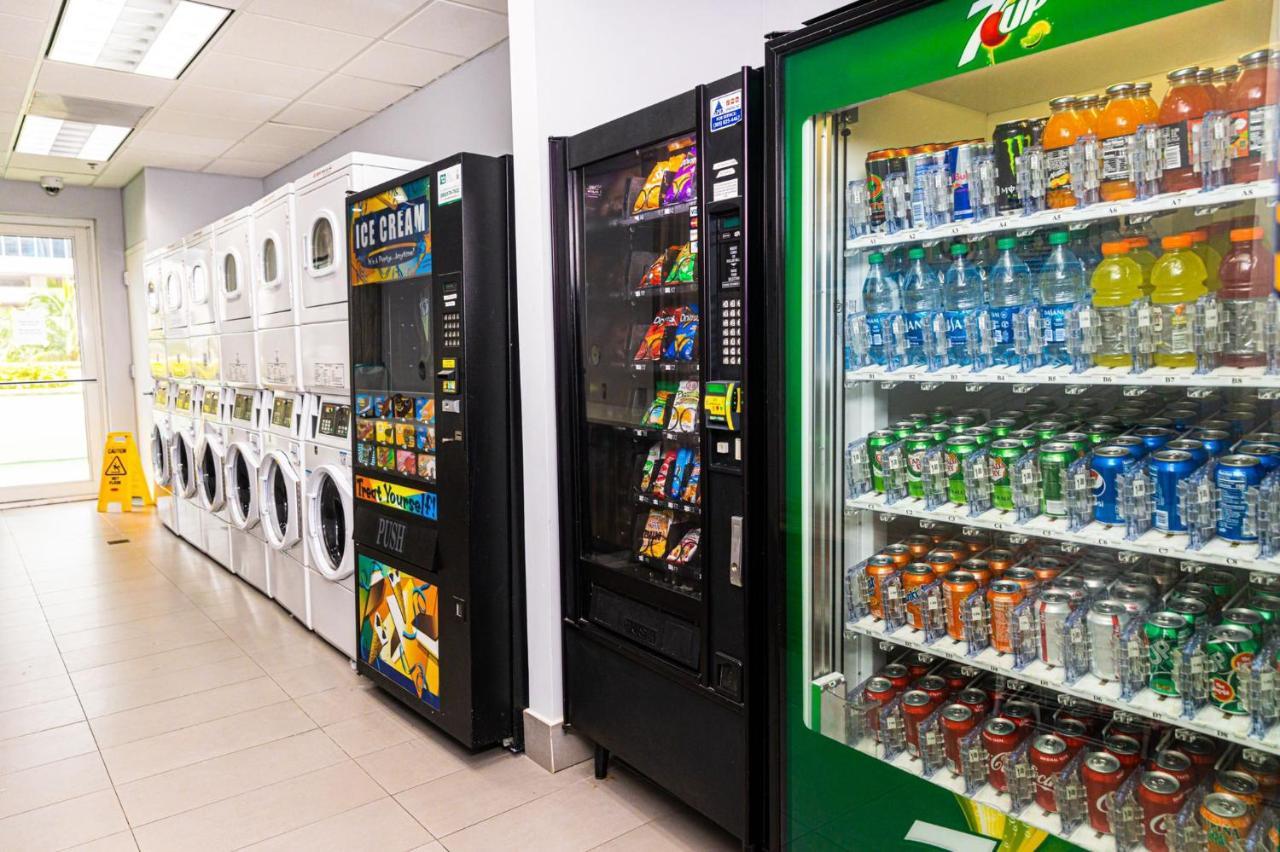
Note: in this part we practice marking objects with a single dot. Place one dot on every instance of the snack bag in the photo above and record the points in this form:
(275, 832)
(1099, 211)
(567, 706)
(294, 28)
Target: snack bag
(684, 184)
(689, 494)
(364, 429)
(406, 462)
(653, 540)
(682, 271)
(404, 435)
(364, 405)
(684, 551)
(684, 409)
(650, 196)
(678, 473)
(651, 347)
(381, 407)
(384, 432)
(365, 455)
(402, 406)
(681, 345)
(663, 474)
(656, 414)
(386, 458)
(426, 466)
(653, 275)
(650, 463)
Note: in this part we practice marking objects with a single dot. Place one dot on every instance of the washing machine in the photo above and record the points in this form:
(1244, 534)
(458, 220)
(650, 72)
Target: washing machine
(327, 516)
(210, 462)
(174, 291)
(248, 543)
(280, 492)
(184, 420)
(162, 453)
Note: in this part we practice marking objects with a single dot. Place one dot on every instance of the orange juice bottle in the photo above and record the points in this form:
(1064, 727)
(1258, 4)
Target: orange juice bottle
(1142, 91)
(1116, 127)
(1060, 131)
(1089, 109)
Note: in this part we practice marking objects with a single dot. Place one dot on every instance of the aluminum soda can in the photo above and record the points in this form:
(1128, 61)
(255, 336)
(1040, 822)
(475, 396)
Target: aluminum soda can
(1166, 469)
(1053, 458)
(1238, 478)
(1101, 775)
(1166, 633)
(1049, 755)
(1053, 607)
(1135, 445)
(1154, 437)
(1160, 796)
(1228, 646)
(1227, 820)
(1190, 445)
(1215, 441)
(1106, 620)
(1272, 438)
(958, 448)
(959, 160)
(1008, 140)
(1000, 736)
(876, 442)
(1265, 453)
(1107, 464)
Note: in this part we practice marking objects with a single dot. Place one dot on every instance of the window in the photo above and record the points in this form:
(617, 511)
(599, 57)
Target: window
(173, 291)
(230, 273)
(321, 245)
(199, 284)
(269, 263)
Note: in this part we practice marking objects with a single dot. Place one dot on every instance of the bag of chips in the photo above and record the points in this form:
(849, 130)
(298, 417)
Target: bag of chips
(686, 549)
(663, 476)
(678, 473)
(650, 464)
(682, 271)
(681, 345)
(684, 183)
(651, 347)
(689, 494)
(653, 540)
(650, 197)
(656, 415)
(684, 408)
(653, 275)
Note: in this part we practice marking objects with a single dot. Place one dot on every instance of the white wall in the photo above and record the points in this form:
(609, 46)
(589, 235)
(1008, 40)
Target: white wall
(468, 109)
(103, 206)
(176, 203)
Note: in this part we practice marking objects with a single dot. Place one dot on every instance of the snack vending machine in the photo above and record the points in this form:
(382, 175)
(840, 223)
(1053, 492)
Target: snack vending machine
(437, 529)
(656, 236)
(1023, 458)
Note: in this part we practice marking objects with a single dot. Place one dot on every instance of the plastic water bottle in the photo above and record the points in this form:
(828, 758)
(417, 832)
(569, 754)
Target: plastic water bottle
(1062, 283)
(961, 294)
(1008, 290)
(921, 298)
(880, 299)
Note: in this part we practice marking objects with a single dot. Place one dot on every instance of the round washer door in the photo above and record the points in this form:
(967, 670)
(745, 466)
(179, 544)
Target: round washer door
(329, 522)
(184, 465)
(278, 500)
(241, 483)
(210, 471)
(160, 456)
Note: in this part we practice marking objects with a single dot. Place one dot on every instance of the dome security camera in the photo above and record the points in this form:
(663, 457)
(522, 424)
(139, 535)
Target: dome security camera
(51, 184)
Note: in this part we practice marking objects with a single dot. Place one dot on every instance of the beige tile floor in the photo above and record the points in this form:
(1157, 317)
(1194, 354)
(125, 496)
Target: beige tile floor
(150, 700)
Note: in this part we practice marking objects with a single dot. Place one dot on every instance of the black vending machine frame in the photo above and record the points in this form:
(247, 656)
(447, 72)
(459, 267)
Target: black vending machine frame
(698, 732)
(474, 551)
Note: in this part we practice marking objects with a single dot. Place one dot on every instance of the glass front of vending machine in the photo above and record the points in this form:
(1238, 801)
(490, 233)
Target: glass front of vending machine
(1023, 423)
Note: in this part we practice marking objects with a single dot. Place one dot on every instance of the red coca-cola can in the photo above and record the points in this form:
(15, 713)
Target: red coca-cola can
(976, 700)
(1049, 755)
(1127, 729)
(918, 663)
(1021, 713)
(897, 674)
(993, 687)
(999, 737)
(936, 686)
(1202, 750)
(957, 721)
(1176, 764)
(1160, 796)
(880, 691)
(1126, 749)
(1073, 732)
(916, 707)
(1101, 775)
(956, 677)
(1081, 715)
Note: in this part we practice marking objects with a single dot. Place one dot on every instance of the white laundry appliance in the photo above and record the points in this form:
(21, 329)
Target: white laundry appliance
(240, 482)
(232, 261)
(328, 521)
(275, 292)
(162, 453)
(280, 491)
(153, 281)
(174, 291)
(211, 462)
(184, 420)
(197, 267)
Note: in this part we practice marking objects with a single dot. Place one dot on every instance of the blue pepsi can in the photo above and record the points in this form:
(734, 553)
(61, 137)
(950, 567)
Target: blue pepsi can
(1164, 422)
(1190, 445)
(1237, 478)
(1108, 462)
(1215, 441)
(1241, 418)
(1167, 468)
(1217, 425)
(1135, 445)
(1155, 437)
(1183, 417)
(1267, 454)
(1262, 438)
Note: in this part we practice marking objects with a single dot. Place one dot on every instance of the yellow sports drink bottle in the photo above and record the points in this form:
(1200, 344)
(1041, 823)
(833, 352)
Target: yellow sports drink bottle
(1116, 284)
(1177, 282)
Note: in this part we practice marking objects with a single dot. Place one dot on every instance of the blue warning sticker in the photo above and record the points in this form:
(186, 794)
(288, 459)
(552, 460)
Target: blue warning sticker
(726, 110)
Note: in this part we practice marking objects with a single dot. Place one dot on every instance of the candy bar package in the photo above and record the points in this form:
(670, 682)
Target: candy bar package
(657, 413)
(663, 475)
(652, 345)
(682, 271)
(689, 493)
(682, 345)
(653, 539)
(684, 183)
(678, 473)
(650, 465)
(684, 409)
(686, 549)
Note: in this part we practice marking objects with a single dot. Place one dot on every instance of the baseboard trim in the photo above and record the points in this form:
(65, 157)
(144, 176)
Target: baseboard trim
(550, 746)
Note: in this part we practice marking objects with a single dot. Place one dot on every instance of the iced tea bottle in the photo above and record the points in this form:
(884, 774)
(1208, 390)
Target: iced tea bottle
(1177, 283)
(1116, 127)
(1247, 274)
(1065, 124)
(1142, 91)
(1116, 284)
(1252, 95)
(1181, 111)
(1210, 256)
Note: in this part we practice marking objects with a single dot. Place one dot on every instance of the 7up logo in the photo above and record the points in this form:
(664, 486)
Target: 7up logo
(997, 21)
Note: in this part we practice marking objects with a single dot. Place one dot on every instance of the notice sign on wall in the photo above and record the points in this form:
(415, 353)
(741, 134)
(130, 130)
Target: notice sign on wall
(29, 327)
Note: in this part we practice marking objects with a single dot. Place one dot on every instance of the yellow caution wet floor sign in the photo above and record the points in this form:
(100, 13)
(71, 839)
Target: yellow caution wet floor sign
(123, 479)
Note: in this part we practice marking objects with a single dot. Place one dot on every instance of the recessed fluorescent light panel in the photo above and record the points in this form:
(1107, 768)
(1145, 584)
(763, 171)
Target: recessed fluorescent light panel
(55, 137)
(157, 38)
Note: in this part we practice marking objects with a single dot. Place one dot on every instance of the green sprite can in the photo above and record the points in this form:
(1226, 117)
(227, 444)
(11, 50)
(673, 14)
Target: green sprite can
(1028, 438)
(1223, 582)
(1228, 647)
(982, 434)
(1002, 426)
(915, 447)
(960, 422)
(1047, 430)
(1267, 607)
(1166, 633)
(876, 442)
(959, 448)
(1200, 591)
(1079, 440)
(1247, 618)
(1192, 609)
(1054, 457)
(1004, 454)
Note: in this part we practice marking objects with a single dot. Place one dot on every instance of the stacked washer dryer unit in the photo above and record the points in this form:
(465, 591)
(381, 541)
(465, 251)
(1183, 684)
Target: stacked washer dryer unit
(185, 416)
(321, 273)
(161, 438)
(233, 248)
(280, 488)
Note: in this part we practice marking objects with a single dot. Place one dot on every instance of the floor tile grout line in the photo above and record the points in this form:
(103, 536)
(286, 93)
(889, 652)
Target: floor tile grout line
(433, 839)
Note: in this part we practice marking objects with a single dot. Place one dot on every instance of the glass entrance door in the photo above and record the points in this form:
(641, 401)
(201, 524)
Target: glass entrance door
(51, 402)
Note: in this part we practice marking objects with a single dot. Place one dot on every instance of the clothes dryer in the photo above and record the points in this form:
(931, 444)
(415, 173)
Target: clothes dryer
(173, 287)
(153, 281)
(280, 490)
(210, 469)
(202, 301)
(275, 296)
(248, 544)
(184, 420)
(330, 558)
(162, 453)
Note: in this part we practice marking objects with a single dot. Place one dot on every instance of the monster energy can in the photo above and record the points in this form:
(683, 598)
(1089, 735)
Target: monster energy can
(1228, 649)
(1166, 633)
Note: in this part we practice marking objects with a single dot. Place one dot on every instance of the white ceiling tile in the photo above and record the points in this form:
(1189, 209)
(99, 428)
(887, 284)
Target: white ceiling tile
(69, 178)
(158, 140)
(355, 93)
(288, 42)
(451, 28)
(15, 71)
(64, 78)
(51, 165)
(242, 168)
(398, 63)
(198, 124)
(319, 115)
(8, 124)
(259, 153)
(288, 136)
(180, 160)
(21, 36)
(38, 9)
(491, 5)
(368, 17)
(12, 99)
(242, 74)
(218, 102)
